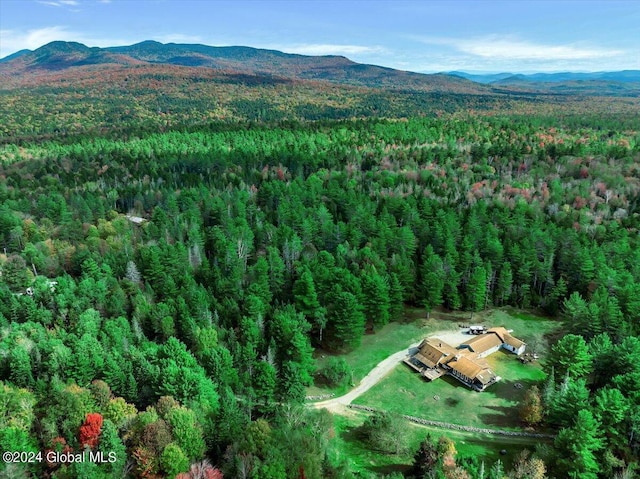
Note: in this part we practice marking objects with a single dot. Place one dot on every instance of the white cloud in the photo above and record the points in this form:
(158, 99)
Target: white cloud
(511, 48)
(13, 40)
(59, 3)
(178, 38)
(327, 49)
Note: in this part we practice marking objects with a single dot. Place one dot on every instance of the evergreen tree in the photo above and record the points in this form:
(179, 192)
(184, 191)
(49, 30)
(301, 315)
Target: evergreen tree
(396, 296)
(577, 446)
(15, 274)
(570, 355)
(477, 289)
(345, 320)
(375, 294)
(426, 459)
(306, 301)
(433, 280)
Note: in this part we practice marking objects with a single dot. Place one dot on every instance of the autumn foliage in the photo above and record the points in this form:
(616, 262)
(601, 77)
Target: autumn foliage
(201, 470)
(90, 430)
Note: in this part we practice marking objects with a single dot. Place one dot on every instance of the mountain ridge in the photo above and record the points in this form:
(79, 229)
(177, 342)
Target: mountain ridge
(61, 57)
(507, 78)
(69, 62)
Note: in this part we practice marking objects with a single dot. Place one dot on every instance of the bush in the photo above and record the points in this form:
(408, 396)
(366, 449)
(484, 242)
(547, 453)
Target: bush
(336, 373)
(384, 432)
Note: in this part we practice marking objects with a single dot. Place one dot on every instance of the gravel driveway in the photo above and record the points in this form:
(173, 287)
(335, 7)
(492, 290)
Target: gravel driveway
(383, 368)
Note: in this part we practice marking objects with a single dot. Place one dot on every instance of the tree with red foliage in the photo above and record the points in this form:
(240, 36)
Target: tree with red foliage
(90, 430)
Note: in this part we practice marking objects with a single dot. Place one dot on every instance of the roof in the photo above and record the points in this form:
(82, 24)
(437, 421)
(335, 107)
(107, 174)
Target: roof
(500, 331)
(513, 342)
(506, 337)
(483, 343)
(432, 351)
(486, 376)
(465, 366)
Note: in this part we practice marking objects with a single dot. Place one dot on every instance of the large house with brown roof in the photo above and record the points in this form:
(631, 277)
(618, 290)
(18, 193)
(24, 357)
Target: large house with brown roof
(466, 363)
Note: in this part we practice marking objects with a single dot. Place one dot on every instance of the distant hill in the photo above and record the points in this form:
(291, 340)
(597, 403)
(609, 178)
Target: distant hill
(507, 78)
(481, 78)
(621, 83)
(65, 56)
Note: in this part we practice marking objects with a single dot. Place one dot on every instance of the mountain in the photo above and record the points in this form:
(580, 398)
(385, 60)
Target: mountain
(621, 76)
(58, 58)
(621, 83)
(14, 55)
(508, 78)
(481, 78)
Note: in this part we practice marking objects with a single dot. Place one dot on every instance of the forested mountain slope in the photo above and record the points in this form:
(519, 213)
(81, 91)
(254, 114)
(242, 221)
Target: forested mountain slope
(57, 56)
(178, 236)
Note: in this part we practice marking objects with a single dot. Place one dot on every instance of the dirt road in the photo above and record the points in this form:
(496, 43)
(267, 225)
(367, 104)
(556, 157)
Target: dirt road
(383, 368)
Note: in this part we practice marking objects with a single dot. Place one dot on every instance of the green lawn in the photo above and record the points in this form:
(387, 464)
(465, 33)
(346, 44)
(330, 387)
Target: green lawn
(405, 392)
(367, 463)
(414, 326)
(376, 347)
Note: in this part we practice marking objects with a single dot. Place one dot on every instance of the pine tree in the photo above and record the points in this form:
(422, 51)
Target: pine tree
(505, 284)
(570, 355)
(306, 301)
(345, 320)
(396, 296)
(577, 446)
(375, 293)
(15, 273)
(433, 280)
(497, 470)
(477, 289)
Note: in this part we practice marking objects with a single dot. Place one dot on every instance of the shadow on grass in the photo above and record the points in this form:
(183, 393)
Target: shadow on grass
(504, 417)
(508, 416)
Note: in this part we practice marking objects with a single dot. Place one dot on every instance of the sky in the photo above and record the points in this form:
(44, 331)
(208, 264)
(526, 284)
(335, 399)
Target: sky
(425, 36)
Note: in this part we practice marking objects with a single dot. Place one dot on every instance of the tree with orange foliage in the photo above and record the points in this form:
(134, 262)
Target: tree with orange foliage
(90, 430)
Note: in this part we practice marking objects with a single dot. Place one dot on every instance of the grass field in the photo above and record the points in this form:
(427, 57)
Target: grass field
(405, 392)
(367, 463)
(376, 347)
(447, 400)
(414, 326)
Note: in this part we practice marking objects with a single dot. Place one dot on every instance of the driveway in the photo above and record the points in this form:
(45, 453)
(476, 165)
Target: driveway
(383, 368)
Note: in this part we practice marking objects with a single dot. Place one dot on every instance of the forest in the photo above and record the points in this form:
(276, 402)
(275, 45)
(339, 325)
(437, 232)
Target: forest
(165, 290)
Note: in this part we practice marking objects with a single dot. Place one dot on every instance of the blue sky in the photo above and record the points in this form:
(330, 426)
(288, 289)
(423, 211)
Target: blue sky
(430, 36)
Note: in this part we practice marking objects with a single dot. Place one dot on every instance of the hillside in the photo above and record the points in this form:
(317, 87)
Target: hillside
(67, 57)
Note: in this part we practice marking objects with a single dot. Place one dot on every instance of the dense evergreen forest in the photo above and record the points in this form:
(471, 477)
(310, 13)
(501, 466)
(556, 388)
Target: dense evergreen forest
(162, 292)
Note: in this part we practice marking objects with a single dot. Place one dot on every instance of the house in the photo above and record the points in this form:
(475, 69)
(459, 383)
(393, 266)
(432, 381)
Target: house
(432, 354)
(435, 358)
(472, 372)
(483, 345)
(492, 340)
